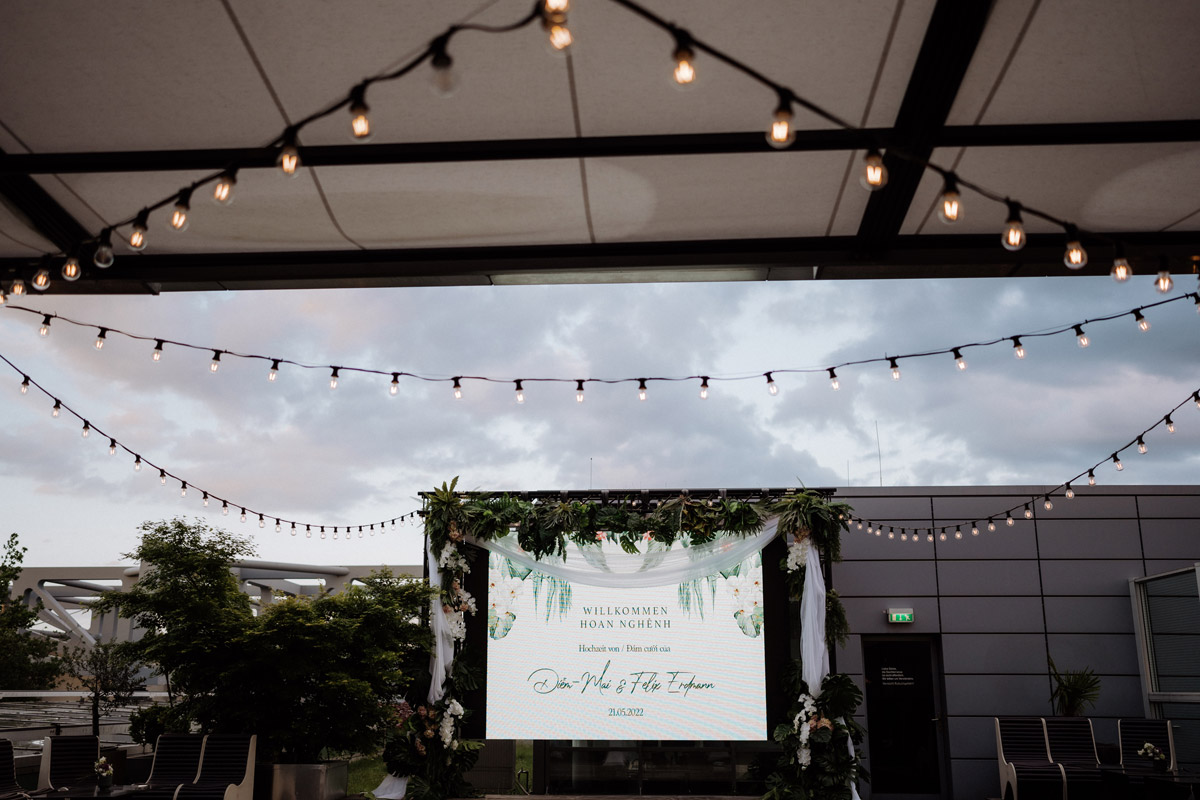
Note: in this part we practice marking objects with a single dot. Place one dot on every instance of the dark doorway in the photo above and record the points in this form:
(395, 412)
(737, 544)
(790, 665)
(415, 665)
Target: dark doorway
(904, 717)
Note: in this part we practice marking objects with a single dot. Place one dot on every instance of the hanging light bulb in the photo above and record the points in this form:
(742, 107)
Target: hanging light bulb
(158, 348)
(274, 371)
(895, 369)
(205, 500)
(223, 189)
(54, 412)
(903, 535)
(137, 463)
(17, 287)
(25, 384)
(278, 526)
(520, 392)
(1170, 423)
(942, 535)
(183, 488)
(1142, 322)
(704, 387)
(685, 71)
(950, 204)
(772, 387)
(1117, 465)
(1008, 519)
(103, 256)
(289, 155)
(162, 477)
(1018, 348)
(874, 175)
(41, 279)
(70, 268)
(216, 361)
(112, 447)
(958, 532)
(1162, 283)
(929, 536)
(974, 529)
(1074, 257)
(1196, 398)
(891, 533)
(1069, 493)
(1081, 337)
(959, 361)
(641, 388)
(224, 509)
(834, 383)
(101, 338)
(781, 134)
(87, 429)
(457, 388)
(578, 391)
(555, 25)
(45, 329)
(1013, 235)
(360, 125)
(444, 79)
(1141, 445)
(1121, 270)
(183, 204)
(1091, 477)
(333, 378)
(243, 516)
(3, 296)
(991, 525)
(1046, 504)
(1028, 512)
(262, 523)
(137, 239)
(394, 388)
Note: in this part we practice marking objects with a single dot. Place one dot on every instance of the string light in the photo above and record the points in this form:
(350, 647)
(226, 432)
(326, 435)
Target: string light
(942, 535)
(223, 190)
(54, 412)
(641, 388)
(162, 477)
(685, 71)
(991, 525)
(457, 388)
(781, 134)
(70, 269)
(1028, 512)
(554, 21)
(3, 296)
(950, 204)
(1013, 235)
(360, 125)
(1080, 336)
(243, 517)
(1142, 322)
(1121, 271)
(158, 348)
(137, 463)
(17, 287)
(183, 204)
(278, 526)
(443, 80)
(1117, 465)
(520, 392)
(224, 509)
(1091, 477)
(834, 383)
(959, 361)
(1162, 283)
(1074, 257)
(578, 391)
(103, 256)
(1069, 493)
(1141, 445)
(394, 387)
(41, 279)
(274, 371)
(183, 488)
(1008, 519)
(333, 378)
(100, 338)
(289, 154)
(772, 387)
(704, 387)
(958, 532)
(895, 369)
(137, 239)
(216, 361)
(1046, 504)
(205, 499)
(112, 447)
(45, 329)
(1170, 423)
(87, 429)
(874, 175)
(262, 523)
(1018, 348)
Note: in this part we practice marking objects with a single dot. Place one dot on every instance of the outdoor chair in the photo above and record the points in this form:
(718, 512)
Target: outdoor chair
(1073, 747)
(176, 760)
(1133, 733)
(9, 788)
(68, 761)
(1026, 771)
(226, 769)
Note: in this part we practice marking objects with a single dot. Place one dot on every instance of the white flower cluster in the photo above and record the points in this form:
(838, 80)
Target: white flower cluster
(453, 560)
(456, 625)
(746, 589)
(503, 592)
(797, 554)
(801, 725)
(446, 727)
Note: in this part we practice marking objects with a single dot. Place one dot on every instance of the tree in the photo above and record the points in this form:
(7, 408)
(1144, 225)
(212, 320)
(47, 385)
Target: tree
(109, 673)
(27, 660)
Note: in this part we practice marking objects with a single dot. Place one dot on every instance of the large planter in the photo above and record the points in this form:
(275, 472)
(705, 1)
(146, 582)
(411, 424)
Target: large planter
(325, 781)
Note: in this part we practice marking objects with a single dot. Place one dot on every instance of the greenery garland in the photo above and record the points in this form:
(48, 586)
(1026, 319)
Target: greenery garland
(438, 762)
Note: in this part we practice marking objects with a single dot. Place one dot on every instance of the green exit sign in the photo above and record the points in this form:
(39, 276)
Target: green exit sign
(900, 615)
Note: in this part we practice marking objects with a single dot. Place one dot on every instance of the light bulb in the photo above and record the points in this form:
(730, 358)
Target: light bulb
(224, 509)
(1117, 465)
(1008, 519)
(87, 429)
(54, 412)
(1028, 512)
(70, 269)
(274, 372)
(112, 447)
(834, 383)
(45, 329)
(950, 204)
(179, 216)
(1163, 282)
(444, 80)
(772, 387)
(929, 536)
(243, 516)
(1081, 337)
(781, 133)
(578, 391)
(1046, 504)
(293, 529)
(895, 369)
(17, 287)
(959, 361)
(1196, 398)
(874, 175)
(278, 526)
(1074, 257)
(223, 190)
(289, 155)
(1013, 235)
(1091, 477)
(1142, 322)
(704, 388)
(1069, 493)
(684, 72)
(103, 256)
(41, 279)
(891, 534)
(206, 499)
(958, 532)
(137, 238)
(1018, 348)
(1121, 270)
(520, 392)
(3, 296)
(1170, 423)
(25, 385)
(394, 388)
(903, 535)
(457, 389)
(262, 523)
(101, 338)
(162, 477)
(137, 463)
(560, 35)
(641, 388)
(333, 378)
(183, 488)
(1141, 445)
(991, 526)
(216, 361)
(942, 535)
(360, 124)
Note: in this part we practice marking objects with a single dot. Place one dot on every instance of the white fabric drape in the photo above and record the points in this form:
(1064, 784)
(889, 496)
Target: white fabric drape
(393, 787)
(605, 564)
(443, 641)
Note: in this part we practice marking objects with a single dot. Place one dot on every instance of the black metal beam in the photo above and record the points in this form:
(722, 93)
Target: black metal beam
(600, 147)
(799, 258)
(949, 45)
(42, 211)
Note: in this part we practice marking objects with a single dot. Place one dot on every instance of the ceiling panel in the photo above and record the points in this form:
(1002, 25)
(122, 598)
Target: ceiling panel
(17, 238)
(129, 75)
(483, 203)
(1086, 61)
(712, 197)
(313, 52)
(900, 58)
(1100, 187)
(827, 51)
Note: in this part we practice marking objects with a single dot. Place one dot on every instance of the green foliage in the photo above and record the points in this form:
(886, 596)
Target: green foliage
(1075, 691)
(27, 660)
(416, 748)
(148, 722)
(109, 672)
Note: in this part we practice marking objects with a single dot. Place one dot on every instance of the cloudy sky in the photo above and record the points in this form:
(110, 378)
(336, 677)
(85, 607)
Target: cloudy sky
(298, 450)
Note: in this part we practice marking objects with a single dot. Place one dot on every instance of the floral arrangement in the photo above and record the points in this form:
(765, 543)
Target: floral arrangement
(103, 768)
(1151, 752)
(818, 761)
(427, 745)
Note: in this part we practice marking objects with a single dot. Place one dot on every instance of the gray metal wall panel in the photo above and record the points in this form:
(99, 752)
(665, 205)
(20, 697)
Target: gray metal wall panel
(973, 737)
(1120, 696)
(1095, 538)
(887, 508)
(1016, 695)
(975, 506)
(975, 779)
(1089, 577)
(1181, 505)
(1155, 566)
(1172, 538)
(866, 614)
(1016, 542)
(991, 653)
(860, 546)
(883, 578)
(1106, 654)
(982, 614)
(995, 578)
(849, 658)
(1089, 614)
